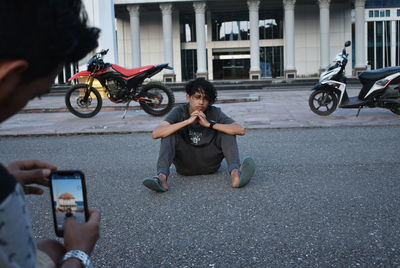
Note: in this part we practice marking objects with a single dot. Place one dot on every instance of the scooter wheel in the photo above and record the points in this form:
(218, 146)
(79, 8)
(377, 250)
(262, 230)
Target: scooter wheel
(323, 102)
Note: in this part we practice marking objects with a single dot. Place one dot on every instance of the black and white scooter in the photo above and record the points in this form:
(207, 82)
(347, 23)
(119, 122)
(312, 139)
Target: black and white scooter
(380, 88)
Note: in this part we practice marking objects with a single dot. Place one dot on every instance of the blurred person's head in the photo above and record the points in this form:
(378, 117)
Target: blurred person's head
(37, 38)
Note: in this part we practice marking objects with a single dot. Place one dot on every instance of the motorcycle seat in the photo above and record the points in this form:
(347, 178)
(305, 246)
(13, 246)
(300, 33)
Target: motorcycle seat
(131, 72)
(368, 76)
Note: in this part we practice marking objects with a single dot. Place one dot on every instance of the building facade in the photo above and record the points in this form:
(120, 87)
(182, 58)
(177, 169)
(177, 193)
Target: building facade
(247, 39)
(382, 37)
(235, 39)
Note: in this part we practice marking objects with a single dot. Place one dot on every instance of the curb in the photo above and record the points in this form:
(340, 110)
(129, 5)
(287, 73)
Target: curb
(127, 132)
(251, 98)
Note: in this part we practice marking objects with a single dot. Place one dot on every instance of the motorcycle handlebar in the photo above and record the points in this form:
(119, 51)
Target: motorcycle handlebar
(104, 52)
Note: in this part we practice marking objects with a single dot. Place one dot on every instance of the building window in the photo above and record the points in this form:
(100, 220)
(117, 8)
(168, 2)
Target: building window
(371, 14)
(379, 44)
(376, 13)
(387, 54)
(230, 28)
(188, 28)
(387, 13)
(371, 45)
(398, 13)
(189, 64)
(271, 61)
(398, 43)
(271, 29)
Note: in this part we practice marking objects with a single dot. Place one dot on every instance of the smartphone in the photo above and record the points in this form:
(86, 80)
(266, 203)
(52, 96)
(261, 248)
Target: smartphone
(68, 198)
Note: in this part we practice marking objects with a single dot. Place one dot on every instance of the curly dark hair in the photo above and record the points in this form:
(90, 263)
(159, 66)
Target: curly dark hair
(45, 33)
(201, 84)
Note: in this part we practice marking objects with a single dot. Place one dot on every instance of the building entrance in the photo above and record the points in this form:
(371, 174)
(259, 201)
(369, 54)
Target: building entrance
(231, 65)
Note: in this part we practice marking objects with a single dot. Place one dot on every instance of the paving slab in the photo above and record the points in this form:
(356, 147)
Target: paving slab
(254, 109)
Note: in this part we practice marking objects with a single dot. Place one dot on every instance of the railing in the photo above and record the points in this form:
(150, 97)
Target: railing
(68, 71)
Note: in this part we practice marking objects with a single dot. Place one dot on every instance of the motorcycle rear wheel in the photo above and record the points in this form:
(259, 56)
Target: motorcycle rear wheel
(323, 102)
(160, 99)
(81, 107)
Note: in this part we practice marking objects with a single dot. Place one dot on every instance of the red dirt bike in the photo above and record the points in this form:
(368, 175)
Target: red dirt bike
(121, 85)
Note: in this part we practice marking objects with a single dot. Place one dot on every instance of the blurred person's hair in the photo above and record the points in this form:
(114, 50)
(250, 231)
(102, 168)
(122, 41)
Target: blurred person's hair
(45, 33)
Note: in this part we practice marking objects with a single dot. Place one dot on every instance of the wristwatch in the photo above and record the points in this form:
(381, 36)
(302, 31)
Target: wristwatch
(212, 123)
(78, 254)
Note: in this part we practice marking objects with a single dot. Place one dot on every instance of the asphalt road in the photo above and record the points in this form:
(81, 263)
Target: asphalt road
(320, 197)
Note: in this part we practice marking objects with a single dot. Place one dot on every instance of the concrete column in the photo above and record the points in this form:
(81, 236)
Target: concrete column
(134, 15)
(200, 8)
(166, 9)
(255, 71)
(324, 22)
(210, 68)
(101, 14)
(290, 68)
(393, 42)
(359, 6)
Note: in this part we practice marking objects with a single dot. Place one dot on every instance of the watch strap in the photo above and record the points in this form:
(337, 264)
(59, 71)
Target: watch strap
(212, 123)
(80, 255)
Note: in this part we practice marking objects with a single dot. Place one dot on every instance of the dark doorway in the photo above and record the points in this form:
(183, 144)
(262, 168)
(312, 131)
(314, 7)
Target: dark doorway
(231, 66)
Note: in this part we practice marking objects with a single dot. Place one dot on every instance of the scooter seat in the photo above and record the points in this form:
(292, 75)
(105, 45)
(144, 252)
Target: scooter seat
(131, 72)
(368, 76)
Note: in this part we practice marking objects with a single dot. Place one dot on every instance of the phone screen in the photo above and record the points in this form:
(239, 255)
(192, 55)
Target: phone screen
(68, 197)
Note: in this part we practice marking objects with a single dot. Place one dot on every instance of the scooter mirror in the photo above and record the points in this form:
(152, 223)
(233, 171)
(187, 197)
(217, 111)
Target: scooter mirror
(347, 44)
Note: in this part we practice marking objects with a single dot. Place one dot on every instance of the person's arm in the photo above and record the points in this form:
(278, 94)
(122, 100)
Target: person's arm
(14, 221)
(165, 129)
(81, 237)
(230, 129)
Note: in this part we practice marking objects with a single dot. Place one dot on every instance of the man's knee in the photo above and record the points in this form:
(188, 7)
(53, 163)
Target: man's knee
(169, 139)
(225, 138)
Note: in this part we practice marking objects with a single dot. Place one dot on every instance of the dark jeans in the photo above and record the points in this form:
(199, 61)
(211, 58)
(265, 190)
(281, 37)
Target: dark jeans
(194, 160)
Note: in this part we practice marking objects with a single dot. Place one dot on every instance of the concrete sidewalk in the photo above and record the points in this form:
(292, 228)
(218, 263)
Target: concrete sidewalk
(254, 109)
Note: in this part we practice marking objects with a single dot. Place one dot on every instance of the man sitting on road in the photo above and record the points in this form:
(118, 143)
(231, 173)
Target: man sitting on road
(196, 137)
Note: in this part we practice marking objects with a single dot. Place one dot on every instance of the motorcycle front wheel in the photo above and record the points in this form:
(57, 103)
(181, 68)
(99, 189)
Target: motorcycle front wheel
(323, 102)
(157, 99)
(81, 103)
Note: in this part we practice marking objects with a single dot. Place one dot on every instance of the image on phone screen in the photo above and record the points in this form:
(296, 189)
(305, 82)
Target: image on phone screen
(68, 196)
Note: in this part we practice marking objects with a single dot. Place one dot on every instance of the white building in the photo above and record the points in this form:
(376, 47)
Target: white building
(247, 39)
(64, 201)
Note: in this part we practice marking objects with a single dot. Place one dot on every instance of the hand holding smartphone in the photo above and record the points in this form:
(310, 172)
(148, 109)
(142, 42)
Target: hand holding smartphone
(68, 198)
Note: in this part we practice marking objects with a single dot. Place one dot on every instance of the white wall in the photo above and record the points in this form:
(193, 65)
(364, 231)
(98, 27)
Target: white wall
(151, 43)
(307, 35)
(101, 15)
(124, 43)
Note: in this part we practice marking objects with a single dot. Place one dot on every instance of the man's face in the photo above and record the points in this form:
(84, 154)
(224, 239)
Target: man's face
(18, 94)
(198, 101)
